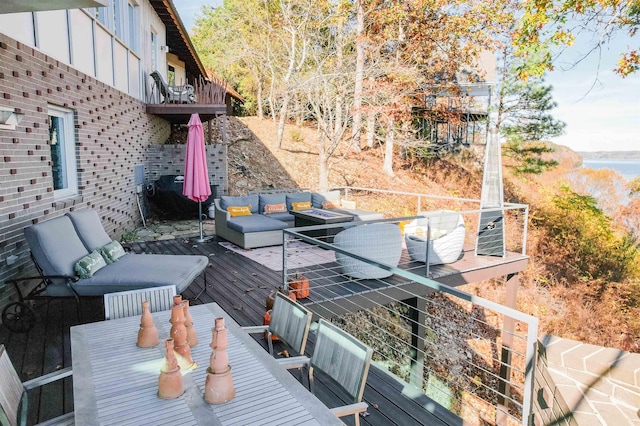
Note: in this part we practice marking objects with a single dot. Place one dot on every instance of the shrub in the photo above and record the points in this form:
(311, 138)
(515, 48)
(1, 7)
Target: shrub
(583, 242)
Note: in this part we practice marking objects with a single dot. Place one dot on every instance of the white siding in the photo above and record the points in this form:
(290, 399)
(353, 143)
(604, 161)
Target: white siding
(134, 76)
(104, 59)
(82, 42)
(18, 26)
(52, 34)
(120, 60)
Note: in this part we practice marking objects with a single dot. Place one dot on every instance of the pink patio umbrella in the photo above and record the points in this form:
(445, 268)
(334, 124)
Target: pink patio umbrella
(196, 176)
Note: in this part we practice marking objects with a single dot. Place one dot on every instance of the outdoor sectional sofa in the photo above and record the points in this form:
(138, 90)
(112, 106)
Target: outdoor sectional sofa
(270, 215)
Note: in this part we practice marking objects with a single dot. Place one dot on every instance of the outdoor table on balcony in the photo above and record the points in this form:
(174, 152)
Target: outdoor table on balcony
(115, 382)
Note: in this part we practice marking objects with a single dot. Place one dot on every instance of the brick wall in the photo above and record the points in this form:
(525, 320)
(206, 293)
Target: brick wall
(169, 160)
(113, 134)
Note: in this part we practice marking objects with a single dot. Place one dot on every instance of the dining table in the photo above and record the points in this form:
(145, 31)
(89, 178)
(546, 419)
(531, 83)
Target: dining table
(116, 383)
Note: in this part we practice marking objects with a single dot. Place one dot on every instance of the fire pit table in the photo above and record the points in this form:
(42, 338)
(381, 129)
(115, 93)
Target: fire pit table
(312, 217)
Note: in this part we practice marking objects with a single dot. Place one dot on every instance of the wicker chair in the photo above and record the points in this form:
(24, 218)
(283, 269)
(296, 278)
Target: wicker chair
(174, 94)
(443, 230)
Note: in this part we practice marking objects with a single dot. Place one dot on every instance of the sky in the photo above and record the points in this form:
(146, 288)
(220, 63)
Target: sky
(601, 109)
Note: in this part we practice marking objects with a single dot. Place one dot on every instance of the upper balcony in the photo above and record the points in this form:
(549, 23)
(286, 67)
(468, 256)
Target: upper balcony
(176, 103)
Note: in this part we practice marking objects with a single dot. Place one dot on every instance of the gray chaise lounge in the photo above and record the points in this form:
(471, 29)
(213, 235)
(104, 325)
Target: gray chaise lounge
(57, 244)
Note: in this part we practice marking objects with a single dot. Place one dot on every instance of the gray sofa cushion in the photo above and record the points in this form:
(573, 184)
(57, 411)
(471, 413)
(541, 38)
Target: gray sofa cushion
(359, 214)
(297, 198)
(255, 223)
(283, 216)
(133, 271)
(318, 197)
(89, 228)
(271, 199)
(55, 246)
(252, 200)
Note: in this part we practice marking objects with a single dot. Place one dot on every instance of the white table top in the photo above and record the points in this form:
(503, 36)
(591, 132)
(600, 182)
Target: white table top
(115, 382)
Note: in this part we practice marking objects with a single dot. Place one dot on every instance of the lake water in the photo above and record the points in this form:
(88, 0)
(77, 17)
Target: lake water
(629, 169)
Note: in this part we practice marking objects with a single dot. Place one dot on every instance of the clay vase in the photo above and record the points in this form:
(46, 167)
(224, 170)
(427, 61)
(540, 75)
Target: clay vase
(192, 337)
(179, 335)
(219, 383)
(300, 286)
(148, 333)
(170, 380)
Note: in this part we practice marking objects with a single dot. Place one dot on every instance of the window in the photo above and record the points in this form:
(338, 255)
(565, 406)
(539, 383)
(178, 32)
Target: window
(171, 75)
(132, 17)
(63, 153)
(101, 15)
(154, 50)
(117, 20)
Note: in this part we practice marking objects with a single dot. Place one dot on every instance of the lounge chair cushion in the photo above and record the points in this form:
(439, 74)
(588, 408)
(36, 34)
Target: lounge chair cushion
(56, 246)
(248, 200)
(89, 228)
(283, 216)
(133, 271)
(255, 223)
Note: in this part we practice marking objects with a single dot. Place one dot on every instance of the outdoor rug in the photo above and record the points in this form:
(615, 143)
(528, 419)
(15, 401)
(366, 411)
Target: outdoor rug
(300, 254)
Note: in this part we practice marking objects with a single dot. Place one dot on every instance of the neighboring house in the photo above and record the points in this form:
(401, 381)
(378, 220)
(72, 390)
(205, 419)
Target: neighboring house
(77, 80)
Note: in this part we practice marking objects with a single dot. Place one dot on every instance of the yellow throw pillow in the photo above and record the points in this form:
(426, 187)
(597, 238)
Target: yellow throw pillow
(275, 208)
(331, 204)
(301, 205)
(239, 210)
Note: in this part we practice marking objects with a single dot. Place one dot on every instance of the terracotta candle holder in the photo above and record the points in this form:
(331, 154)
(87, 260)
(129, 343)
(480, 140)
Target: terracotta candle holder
(148, 333)
(170, 380)
(219, 383)
(179, 334)
(192, 337)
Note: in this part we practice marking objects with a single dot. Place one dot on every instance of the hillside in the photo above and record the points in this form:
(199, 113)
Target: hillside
(590, 311)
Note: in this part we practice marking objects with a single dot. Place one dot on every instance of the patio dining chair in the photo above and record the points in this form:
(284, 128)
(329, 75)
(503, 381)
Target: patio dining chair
(129, 303)
(14, 402)
(344, 359)
(290, 322)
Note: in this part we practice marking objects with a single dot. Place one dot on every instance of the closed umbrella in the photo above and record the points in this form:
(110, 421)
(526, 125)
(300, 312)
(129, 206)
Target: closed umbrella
(196, 176)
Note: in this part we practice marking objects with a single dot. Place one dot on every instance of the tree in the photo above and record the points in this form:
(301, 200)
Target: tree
(545, 26)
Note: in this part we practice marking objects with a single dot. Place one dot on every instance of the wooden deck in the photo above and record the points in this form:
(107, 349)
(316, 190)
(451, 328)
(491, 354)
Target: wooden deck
(240, 287)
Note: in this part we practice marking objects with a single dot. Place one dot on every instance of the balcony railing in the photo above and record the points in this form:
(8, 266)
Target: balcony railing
(472, 356)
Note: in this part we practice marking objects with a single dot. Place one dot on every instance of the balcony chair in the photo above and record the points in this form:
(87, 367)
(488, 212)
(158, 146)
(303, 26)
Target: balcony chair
(445, 232)
(344, 359)
(380, 242)
(174, 94)
(13, 393)
(129, 303)
(290, 322)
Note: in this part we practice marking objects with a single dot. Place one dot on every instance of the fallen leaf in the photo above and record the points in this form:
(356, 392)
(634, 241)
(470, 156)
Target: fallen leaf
(247, 290)
(284, 353)
(238, 308)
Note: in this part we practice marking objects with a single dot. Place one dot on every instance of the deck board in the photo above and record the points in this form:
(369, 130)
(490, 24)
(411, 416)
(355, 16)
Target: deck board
(240, 287)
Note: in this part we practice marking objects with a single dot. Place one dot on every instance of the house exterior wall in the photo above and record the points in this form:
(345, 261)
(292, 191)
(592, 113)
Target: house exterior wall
(77, 38)
(113, 133)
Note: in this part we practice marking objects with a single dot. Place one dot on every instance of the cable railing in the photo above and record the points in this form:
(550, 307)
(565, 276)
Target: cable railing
(472, 356)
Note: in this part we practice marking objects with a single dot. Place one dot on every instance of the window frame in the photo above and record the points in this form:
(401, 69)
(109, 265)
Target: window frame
(69, 166)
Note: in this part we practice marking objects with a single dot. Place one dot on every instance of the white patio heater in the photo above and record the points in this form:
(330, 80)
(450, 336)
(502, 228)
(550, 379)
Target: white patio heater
(491, 236)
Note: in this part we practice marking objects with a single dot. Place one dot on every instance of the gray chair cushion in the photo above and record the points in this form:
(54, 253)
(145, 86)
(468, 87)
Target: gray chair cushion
(55, 246)
(252, 200)
(271, 199)
(89, 228)
(255, 223)
(318, 197)
(298, 197)
(134, 271)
